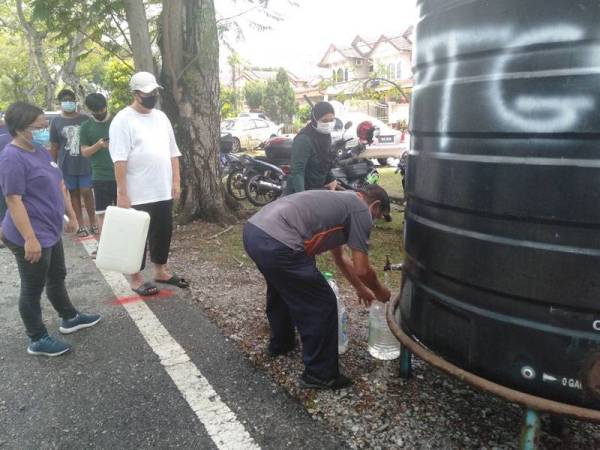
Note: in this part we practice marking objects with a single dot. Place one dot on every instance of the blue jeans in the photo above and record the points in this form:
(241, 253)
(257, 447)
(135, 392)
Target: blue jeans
(297, 295)
(49, 272)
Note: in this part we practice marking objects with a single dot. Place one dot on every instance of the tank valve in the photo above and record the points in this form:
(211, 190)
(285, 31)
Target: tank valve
(528, 372)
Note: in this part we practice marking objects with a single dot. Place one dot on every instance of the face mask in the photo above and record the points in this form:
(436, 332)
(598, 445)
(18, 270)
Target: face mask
(149, 102)
(325, 127)
(68, 107)
(41, 137)
(100, 116)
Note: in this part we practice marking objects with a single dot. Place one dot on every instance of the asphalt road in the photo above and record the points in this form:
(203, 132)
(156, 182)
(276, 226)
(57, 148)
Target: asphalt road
(114, 391)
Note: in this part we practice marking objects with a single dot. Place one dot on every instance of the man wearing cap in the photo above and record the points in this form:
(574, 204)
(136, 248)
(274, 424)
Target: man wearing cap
(143, 148)
(283, 239)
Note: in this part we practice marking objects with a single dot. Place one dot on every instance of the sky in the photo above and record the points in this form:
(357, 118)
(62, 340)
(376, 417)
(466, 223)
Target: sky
(300, 40)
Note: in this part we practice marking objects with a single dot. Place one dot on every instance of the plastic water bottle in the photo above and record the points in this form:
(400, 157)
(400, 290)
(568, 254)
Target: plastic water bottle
(342, 315)
(382, 343)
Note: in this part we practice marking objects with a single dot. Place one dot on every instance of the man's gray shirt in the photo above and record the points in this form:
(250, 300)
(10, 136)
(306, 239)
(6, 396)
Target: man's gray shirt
(64, 131)
(317, 221)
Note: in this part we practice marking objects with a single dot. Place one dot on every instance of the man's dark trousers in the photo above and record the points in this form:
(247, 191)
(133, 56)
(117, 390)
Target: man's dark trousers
(297, 295)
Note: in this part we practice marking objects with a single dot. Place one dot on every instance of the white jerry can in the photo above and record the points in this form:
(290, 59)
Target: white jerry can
(124, 235)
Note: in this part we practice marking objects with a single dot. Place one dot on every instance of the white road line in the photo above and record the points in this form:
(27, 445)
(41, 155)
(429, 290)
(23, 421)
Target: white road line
(220, 422)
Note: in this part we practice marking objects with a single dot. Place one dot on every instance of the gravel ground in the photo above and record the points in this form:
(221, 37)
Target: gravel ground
(430, 411)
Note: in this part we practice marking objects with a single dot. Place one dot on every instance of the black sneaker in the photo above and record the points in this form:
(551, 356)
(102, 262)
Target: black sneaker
(340, 382)
(275, 353)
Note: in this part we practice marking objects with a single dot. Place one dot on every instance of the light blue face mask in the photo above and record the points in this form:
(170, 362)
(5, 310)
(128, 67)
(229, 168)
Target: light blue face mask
(68, 107)
(41, 137)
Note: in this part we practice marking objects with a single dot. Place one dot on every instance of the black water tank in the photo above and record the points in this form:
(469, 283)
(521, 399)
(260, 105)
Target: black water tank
(503, 214)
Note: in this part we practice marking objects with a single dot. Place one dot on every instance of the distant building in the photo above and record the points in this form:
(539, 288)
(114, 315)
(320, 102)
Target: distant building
(386, 57)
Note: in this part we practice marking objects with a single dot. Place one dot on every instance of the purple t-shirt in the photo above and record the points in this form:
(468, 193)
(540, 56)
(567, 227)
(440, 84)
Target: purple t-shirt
(5, 137)
(37, 178)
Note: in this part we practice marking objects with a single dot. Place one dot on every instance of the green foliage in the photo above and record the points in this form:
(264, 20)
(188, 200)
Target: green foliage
(17, 81)
(227, 102)
(279, 101)
(254, 93)
(116, 81)
(303, 113)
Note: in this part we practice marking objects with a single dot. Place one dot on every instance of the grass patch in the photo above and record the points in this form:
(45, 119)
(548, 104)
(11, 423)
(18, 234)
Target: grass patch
(391, 182)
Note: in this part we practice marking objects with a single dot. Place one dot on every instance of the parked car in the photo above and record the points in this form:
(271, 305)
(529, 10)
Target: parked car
(249, 133)
(255, 115)
(387, 143)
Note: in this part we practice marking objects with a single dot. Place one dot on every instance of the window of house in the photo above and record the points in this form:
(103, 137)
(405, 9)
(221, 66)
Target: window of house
(340, 74)
(346, 75)
(358, 61)
(399, 71)
(391, 71)
(333, 76)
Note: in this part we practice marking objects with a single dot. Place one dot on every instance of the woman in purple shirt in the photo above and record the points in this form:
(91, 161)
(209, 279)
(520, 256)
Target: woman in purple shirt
(36, 197)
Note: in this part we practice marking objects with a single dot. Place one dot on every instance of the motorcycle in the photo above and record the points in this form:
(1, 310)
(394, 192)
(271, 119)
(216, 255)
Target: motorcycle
(264, 182)
(401, 169)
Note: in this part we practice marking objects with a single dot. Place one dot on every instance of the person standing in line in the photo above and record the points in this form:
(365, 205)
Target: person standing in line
(94, 145)
(5, 138)
(146, 158)
(65, 149)
(37, 201)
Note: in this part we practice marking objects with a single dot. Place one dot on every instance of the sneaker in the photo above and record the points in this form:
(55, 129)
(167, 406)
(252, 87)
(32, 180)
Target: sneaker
(48, 346)
(340, 382)
(79, 322)
(94, 229)
(82, 232)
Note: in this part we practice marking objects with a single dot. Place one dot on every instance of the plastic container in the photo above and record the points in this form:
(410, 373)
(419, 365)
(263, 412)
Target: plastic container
(382, 343)
(342, 315)
(124, 235)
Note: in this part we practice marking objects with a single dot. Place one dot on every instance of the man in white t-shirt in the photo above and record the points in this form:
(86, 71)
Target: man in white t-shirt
(143, 148)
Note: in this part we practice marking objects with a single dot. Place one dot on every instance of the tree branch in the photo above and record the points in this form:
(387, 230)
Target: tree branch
(243, 13)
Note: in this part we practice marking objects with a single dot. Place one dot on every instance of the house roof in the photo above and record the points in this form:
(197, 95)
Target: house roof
(362, 49)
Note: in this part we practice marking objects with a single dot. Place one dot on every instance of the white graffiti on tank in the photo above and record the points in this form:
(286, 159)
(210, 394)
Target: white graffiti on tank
(525, 112)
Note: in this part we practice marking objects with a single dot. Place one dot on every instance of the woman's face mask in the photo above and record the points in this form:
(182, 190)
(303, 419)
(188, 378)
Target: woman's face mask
(41, 137)
(325, 127)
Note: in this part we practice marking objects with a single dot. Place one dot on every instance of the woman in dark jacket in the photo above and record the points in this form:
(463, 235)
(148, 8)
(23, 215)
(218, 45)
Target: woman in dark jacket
(311, 153)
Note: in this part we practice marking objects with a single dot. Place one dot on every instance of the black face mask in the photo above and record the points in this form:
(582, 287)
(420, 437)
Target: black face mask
(100, 116)
(149, 102)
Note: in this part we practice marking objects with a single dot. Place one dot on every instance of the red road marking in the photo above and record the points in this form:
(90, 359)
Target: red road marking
(81, 239)
(165, 293)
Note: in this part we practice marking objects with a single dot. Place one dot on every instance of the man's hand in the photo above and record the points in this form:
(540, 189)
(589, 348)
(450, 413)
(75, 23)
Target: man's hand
(365, 296)
(123, 201)
(332, 186)
(72, 226)
(102, 143)
(176, 191)
(33, 250)
(384, 294)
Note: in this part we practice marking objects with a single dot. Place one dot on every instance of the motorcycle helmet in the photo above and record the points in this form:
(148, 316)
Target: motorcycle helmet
(365, 132)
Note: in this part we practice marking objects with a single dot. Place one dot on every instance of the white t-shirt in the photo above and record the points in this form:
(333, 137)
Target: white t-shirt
(147, 143)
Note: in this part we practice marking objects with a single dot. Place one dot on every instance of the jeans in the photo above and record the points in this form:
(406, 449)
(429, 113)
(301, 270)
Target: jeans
(297, 296)
(49, 272)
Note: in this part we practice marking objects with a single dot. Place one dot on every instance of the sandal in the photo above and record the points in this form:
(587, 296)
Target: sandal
(175, 281)
(146, 290)
(82, 232)
(94, 229)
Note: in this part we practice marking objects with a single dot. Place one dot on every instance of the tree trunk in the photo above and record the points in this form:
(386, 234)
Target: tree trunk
(190, 50)
(69, 71)
(35, 41)
(135, 12)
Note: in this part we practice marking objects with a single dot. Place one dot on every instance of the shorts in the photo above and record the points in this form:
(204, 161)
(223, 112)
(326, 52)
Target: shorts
(3, 207)
(105, 194)
(74, 182)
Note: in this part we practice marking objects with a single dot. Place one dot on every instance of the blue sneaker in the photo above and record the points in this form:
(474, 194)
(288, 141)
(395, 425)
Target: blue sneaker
(48, 346)
(79, 322)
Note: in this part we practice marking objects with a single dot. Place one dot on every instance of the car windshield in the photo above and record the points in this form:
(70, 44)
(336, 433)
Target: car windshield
(227, 124)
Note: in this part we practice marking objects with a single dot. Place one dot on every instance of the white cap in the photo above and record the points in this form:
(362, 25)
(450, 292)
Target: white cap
(144, 82)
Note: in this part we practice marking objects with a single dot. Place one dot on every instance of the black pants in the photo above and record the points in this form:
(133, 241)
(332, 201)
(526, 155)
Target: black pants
(297, 295)
(49, 271)
(160, 231)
